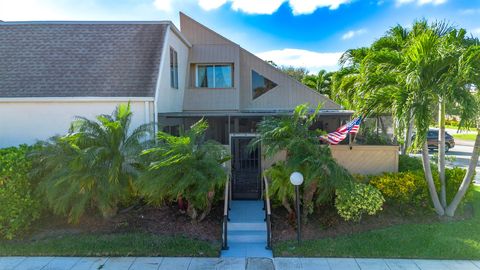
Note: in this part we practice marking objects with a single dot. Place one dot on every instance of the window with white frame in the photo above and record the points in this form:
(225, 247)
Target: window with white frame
(173, 68)
(214, 76)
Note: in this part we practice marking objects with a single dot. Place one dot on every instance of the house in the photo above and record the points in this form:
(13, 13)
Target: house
(51, 72)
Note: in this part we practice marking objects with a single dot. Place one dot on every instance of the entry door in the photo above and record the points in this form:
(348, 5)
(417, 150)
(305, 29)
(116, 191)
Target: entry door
(246, 174)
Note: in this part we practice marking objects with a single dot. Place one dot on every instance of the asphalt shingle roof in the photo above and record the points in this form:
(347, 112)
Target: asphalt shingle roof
(80, 59)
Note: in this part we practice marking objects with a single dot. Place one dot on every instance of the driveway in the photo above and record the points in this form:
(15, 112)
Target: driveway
(459, 156)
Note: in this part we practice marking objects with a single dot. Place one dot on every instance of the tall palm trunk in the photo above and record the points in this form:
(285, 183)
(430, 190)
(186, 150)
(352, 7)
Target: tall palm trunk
(441, 152)
(450, 211)
(431, 184)
(408, 136)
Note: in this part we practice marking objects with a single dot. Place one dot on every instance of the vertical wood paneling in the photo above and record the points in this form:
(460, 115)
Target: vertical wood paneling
(285, 96)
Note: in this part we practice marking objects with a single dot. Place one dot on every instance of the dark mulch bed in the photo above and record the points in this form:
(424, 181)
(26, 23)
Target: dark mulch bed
(325, 222)
(165, 220)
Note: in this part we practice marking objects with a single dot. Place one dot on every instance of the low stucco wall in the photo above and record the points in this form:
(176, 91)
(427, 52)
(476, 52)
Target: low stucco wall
(367, 159)
(357, 159)
(27, 122)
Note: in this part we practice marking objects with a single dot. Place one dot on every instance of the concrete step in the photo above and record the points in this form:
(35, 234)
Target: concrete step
(247, 237)
(246, 211)
(247, 226)
(241, 250)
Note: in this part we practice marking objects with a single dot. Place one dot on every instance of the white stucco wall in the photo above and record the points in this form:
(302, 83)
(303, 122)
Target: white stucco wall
(170, 99)
(27, 122)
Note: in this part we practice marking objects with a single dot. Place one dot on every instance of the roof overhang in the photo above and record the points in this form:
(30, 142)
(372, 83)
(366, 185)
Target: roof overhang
(75, 99)
(344, 113)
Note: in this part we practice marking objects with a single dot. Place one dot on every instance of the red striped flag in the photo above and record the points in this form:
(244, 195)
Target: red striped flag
(341, 133)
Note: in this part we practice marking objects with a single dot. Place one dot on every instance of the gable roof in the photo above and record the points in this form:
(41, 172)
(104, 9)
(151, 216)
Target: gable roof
(80, 59)
(288, 92)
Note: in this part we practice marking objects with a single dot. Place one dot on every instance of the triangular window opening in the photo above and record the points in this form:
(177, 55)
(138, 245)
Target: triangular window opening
(261, 85)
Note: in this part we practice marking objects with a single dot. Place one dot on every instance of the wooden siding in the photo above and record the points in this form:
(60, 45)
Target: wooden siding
(216, 53)
(367, 159)
(210, 47)
(197, 33)
(205, 99)
(285, 96)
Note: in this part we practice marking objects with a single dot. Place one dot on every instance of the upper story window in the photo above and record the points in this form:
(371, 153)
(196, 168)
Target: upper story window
(173, 68)
(260, 84)
(214, 76)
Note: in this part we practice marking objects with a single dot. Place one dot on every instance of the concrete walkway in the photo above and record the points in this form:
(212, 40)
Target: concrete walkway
(159, 263)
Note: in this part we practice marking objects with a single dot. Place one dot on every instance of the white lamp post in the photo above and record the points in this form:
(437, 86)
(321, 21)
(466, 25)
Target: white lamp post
(296, 179)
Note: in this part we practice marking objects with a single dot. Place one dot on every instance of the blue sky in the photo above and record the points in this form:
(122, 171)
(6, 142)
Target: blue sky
(308, 33)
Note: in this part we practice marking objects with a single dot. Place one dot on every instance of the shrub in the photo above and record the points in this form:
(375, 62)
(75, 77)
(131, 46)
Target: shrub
(357, 201)
(409, 188)
(18, 207)
(297, 137)
(453, 179)
(408, 163)
(281, 190)
(185, 167)
(403, 189)
(94, 166)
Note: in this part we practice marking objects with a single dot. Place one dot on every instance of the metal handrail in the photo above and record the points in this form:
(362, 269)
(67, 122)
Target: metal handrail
(268, 213)
(226, 208)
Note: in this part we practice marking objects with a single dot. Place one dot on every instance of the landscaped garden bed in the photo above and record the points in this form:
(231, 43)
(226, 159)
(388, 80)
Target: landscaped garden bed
(143, 231)
(385, 236)
(103, 190)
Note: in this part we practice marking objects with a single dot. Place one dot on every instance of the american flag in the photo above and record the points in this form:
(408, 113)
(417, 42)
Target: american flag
(341, 133)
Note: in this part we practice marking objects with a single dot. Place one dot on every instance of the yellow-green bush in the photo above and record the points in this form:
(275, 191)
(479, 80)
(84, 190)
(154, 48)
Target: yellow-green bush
(18, 207)
(403, 189)
(409, 188)
(357, 201)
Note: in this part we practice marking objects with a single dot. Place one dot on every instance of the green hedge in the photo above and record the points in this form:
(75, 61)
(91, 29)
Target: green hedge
(18, 206)
(357, 201)
(409, 189)
(407, 163)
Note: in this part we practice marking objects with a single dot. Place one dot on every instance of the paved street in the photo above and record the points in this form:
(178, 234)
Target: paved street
(459, 156)
(159, 263)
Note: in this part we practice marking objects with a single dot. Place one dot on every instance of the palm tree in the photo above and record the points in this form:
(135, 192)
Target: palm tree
(304, 152)
(436, 65)
(320, 82)
(94, 166)
(187, 167)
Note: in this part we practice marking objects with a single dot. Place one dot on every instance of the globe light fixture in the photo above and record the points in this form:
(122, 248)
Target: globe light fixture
(296, 178)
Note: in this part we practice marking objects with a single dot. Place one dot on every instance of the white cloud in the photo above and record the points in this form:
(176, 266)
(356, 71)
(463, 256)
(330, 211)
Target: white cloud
(29, 10)
(421, 2)
(256, 7)
(313, 61)
(353, 33)
(211, 4)
(309, 6)
(476, 32)
(163, 5)
(270, 6)
(470, 11)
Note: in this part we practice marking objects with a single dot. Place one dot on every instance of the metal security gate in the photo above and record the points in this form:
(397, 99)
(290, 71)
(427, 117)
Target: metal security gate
(246, 172)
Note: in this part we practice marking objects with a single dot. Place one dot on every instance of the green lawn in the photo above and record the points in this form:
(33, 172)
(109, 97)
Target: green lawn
(442, 240)
(128, 244)
(463, 136)
(455, 127)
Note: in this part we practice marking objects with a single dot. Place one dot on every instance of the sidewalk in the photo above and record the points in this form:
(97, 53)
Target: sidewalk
(159, 263)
